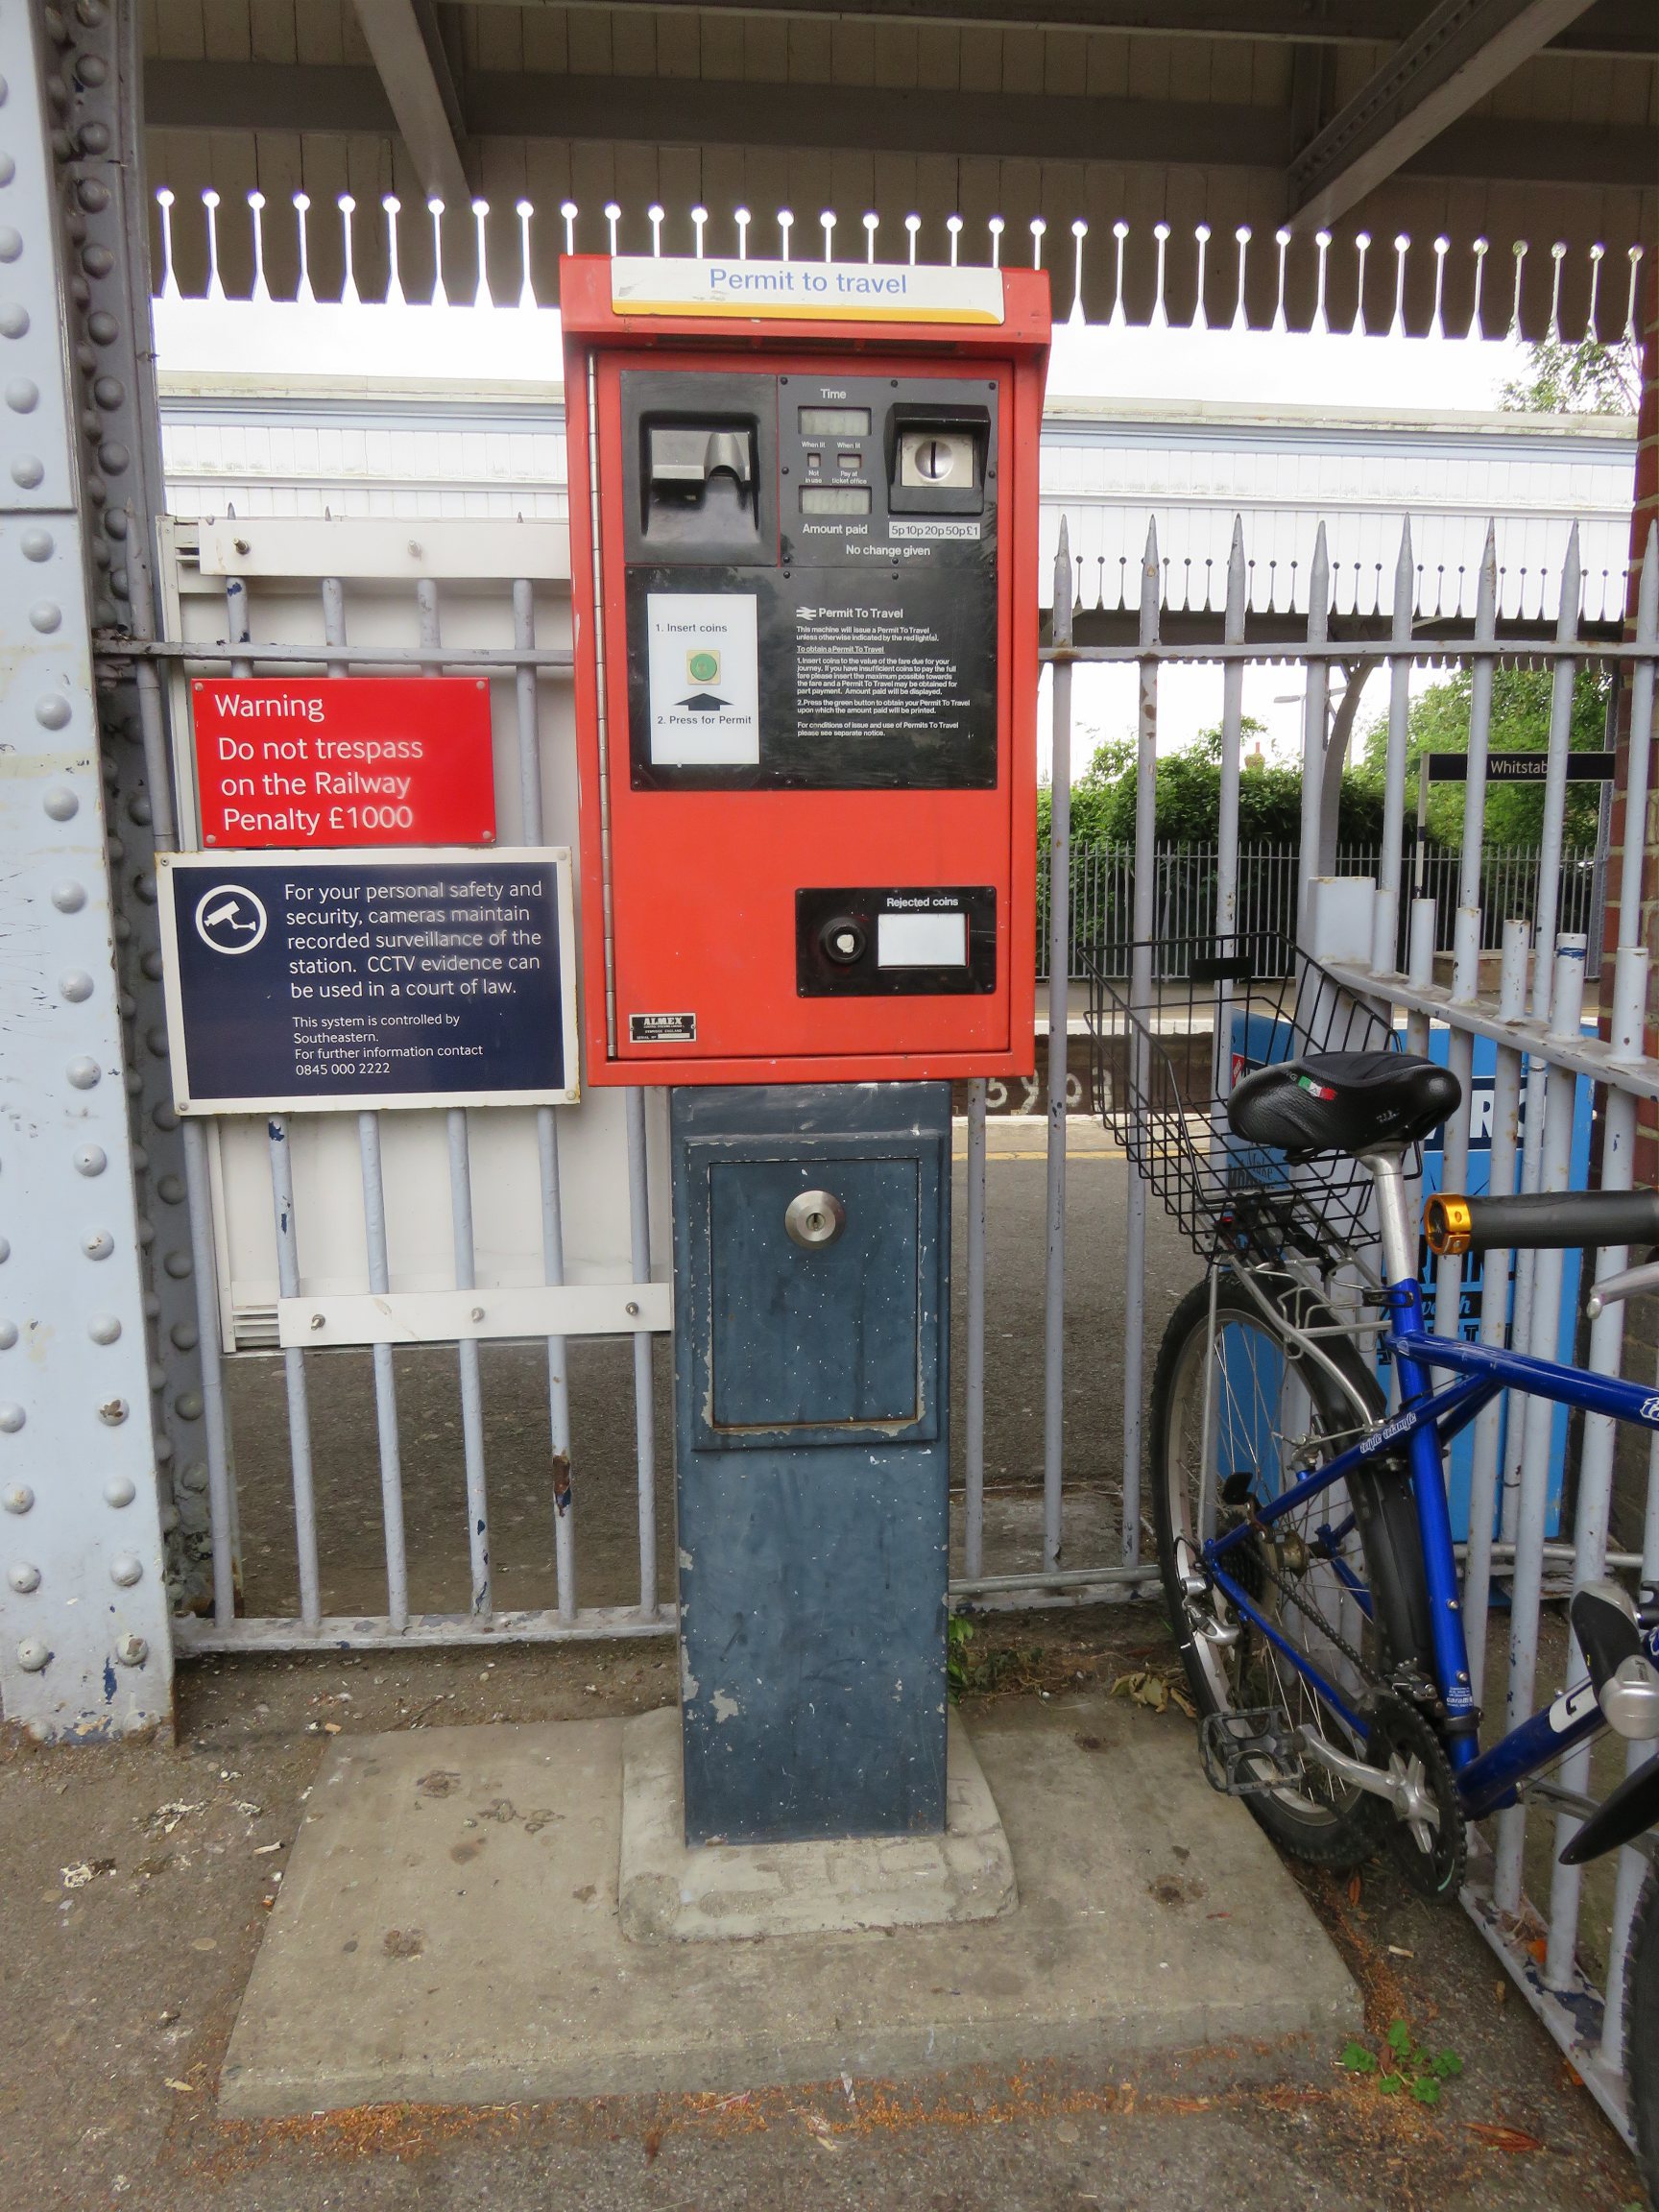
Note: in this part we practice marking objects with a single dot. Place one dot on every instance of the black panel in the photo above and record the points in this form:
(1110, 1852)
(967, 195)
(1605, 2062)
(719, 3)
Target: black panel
(880, 682)
(838, 942)
(671, 517)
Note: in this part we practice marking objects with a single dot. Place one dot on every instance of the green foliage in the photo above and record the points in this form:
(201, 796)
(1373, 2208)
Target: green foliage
(958, 1667)
(1403, 2066)
(1189, 796)
(1582, 379)
(1514, 812)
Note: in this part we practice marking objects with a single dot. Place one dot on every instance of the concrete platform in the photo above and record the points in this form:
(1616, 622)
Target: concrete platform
(448, 1932)
(669, 1892)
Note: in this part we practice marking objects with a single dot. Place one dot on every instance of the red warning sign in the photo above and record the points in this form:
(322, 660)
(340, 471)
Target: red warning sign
(344, 760)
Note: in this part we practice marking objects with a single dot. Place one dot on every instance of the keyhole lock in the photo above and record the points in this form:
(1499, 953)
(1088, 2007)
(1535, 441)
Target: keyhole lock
(843, 940)
(935, 459)
(814, 1217)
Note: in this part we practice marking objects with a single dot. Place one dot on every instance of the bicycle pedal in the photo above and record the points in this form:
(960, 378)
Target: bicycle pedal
(1250, 1754)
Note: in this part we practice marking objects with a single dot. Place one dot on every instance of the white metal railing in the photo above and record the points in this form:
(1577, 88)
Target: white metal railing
(1497, 274)
(1542, 1057)
(1540, 1049)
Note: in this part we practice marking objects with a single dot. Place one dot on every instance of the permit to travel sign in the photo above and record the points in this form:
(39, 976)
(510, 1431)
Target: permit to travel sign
(843, 291)
(314, 761)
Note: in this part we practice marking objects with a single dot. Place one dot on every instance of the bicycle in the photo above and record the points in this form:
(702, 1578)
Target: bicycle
(1302, 1523)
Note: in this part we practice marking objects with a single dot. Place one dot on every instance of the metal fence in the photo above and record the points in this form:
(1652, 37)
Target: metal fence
(1543, 1056)
(1186, 879)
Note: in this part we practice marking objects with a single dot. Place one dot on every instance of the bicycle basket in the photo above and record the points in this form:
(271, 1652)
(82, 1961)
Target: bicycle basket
(1171, 1032)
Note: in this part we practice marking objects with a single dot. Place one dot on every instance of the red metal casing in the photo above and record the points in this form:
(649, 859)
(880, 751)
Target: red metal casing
(699, 886)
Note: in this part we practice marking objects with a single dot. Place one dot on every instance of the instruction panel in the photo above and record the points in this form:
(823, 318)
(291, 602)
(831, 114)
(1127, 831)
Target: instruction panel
(295, 982)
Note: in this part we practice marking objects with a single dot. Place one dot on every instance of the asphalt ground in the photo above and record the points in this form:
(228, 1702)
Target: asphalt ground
(134, 1882)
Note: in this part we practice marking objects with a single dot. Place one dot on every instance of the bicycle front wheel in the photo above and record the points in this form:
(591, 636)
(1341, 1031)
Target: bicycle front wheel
(1642, 2033)
(1338, 1581)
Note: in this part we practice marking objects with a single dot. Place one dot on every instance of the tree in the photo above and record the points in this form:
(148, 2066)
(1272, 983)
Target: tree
(1514, 812)
(1189, 796)
(1585, 378)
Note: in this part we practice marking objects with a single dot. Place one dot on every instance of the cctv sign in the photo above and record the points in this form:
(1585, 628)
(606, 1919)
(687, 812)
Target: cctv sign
(349, 760)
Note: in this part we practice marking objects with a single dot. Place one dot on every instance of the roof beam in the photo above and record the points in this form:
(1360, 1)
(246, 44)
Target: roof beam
(414, 69)
(656, 110)
(1457, 55)
(1609, 27)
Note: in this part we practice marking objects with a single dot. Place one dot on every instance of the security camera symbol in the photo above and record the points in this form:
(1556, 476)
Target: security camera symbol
(230, 919)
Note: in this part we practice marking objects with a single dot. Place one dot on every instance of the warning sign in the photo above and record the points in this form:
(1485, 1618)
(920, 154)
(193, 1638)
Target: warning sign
(351, 761)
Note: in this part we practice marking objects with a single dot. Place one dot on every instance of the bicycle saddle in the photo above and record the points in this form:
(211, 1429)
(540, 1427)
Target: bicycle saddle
(1342, 1102)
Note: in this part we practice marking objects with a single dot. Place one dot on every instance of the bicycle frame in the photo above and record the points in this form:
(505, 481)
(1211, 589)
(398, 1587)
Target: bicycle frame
(1419, 1433)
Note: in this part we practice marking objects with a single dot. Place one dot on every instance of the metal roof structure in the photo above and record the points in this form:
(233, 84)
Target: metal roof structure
(1516, 143)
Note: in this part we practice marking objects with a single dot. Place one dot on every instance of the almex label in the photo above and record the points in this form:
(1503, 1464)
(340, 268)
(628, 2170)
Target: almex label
(349, 760)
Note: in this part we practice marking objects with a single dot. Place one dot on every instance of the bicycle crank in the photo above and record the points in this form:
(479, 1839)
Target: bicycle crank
(1405, 1767)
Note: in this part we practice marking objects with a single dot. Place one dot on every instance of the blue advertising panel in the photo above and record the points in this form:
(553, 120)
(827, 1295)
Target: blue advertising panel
(1475, 1288)
(303, 981)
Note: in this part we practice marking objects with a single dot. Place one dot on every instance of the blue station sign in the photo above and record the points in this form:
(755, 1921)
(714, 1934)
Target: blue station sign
(300, 982)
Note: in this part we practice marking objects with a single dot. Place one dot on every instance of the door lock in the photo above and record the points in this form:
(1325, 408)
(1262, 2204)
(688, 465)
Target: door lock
(814, 1217)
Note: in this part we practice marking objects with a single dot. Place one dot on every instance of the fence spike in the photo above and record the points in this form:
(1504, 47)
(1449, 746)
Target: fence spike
(1322, 245)
(524, 209)
(304, 292)
(1481, 248)
(1200, 315)
(261, 293)
(1442, 246)
(392, 206)
(995, 226)
(347, 207)
(1361, 248)
(435, 210)
(1597, 255)
(1240, 320)
(481, 295)
(210, 209)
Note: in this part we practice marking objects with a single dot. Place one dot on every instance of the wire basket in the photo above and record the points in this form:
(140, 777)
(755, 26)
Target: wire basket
(1166, 1057)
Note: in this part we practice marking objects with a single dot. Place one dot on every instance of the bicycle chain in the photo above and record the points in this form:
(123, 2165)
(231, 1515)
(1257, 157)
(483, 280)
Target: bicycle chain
(1286, 1588)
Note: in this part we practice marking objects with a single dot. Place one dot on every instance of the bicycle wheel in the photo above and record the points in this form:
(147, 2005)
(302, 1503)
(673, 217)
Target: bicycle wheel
(1339, 1580)
(1642, 2033)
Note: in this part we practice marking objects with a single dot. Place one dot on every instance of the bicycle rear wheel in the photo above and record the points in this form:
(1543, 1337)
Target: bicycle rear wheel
(1339, 1580)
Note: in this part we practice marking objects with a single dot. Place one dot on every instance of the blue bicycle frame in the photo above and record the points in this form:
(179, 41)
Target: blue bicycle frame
(1421, 1429)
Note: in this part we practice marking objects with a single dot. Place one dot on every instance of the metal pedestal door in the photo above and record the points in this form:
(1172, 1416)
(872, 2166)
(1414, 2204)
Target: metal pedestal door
(811, 1245)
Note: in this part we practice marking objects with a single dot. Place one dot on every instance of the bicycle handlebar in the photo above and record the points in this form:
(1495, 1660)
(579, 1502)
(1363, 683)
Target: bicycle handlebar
(1545, 1220)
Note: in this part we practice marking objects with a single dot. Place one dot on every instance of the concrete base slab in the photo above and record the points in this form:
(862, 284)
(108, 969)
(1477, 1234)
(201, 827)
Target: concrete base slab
(448, 1932)
(669, 1891)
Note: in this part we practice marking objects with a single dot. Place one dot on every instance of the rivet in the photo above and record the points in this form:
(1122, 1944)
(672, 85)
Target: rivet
(151, 1306)
(36, 544)
(114, 456)
(60, 803)
(18, 1498)
(120, 1490)
(184, 1336)
(126, 1569)
(632, 1308)
(98, 262)
(91, 1160)
(116, 850)
(13, 320)
(11, 1417)
(10, 243)
(132, 1651)
(84, 1071)
(104, 1328)
(92, 196)
(45, 614)
(8, 169)
(68, 898)
(97, 1243)
(145, 886)
(109, 392)
(94, 138)
(102, 326)
(92, 69)
(76, 985)
(5, 1248)
(22, 396)
(114, 1412)
(138, 811)
(91, 12)
(157, 1040)
(189, 1406)
(177, 1265)
(115, 523)
(32, 1654)
(23, 1577)
(170, 1190)
(53, 713)
(165, 1116)
(151, 964)
(27, 474)
(319, 1321)
(8, 1334)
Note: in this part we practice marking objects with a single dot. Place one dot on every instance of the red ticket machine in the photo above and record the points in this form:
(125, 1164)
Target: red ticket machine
(803, 564)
